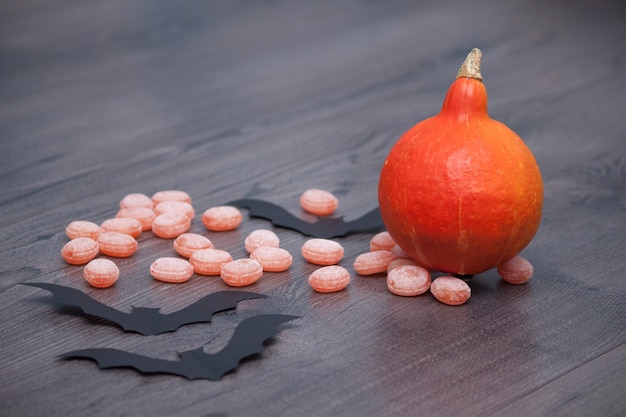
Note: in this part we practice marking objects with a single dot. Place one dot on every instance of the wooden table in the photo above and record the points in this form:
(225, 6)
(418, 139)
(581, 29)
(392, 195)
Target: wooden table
(264, 100)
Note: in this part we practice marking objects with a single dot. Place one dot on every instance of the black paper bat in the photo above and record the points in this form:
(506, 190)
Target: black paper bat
(247, 340)
(324, 227)
(145, 320)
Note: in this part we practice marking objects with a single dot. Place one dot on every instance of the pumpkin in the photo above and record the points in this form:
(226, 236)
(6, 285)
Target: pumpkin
(460, 192)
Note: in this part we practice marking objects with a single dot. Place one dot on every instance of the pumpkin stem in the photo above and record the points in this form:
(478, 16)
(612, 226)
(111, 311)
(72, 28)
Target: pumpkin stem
(471, 66)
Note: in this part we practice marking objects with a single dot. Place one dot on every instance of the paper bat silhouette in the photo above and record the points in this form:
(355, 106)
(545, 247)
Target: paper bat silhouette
(324, 227)
(149, 321)
(247, 340)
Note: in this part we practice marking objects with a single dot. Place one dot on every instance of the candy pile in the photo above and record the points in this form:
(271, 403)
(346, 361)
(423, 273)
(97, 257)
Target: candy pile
(168, 214)
(406, 277)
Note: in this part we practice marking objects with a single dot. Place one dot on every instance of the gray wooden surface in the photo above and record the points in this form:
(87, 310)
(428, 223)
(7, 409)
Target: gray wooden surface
(233, 99)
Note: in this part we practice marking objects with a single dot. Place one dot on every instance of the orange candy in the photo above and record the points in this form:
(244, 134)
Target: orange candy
(272, 259)
(408, 280)
(382, 240)
(174, 270)
(329, 279)
(318, 202)
(117, 244)
(170, 195)
(179, 206)
(101, 273)
(516, 271)
(241, 272)
(398, 262)
(145, 216)
(450, 290)
(127, 225)
(259, 238)
(370, 263)
(209, 261)
(222, 218)
(79, 251)
(322, 251)
(82, 228)
(187, 243)
(170, 224)
(399, 252)
(135, 200)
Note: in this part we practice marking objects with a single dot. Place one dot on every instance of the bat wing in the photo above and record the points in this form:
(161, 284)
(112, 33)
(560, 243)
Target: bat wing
(247, 340)
(274, 213)
(324, 227)
(76, 298)
(203, 310)
(329, 227)
(114, 358)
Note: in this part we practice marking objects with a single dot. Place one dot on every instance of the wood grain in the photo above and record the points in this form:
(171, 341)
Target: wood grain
(231, 100)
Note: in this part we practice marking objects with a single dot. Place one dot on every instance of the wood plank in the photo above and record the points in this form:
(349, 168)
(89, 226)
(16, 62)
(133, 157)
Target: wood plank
(605, 379)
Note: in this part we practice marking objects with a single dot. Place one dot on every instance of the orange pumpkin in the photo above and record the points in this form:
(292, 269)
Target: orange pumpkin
(461, 192)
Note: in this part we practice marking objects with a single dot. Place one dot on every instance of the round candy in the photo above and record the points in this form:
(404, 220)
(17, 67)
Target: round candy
(82, 228)
(408, 280)
(450, 290)
(272, 259)
(259, 238)
(399, 252)
(127, 225)
(101, 273)
(170, 224)
(370, 263)
(516, 271)
(135, 200)
(117, 244)
(329, 279)
(322, 251)
(79, 251)
(382, 240)
(170, 195)
(179, 206)
(209, 261)
(400, 262)
(144, 215)
(241, 272)
(318, 202)
(222, 218)
(174, 270)
(188, 243)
